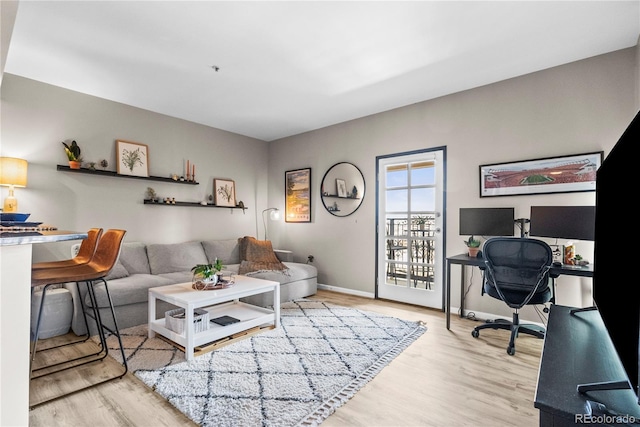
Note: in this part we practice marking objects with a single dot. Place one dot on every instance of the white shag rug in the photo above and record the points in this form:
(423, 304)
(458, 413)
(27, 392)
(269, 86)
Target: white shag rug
(296, 375)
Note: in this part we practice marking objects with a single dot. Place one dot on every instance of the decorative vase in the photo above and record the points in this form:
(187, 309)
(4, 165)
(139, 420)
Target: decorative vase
(473, 252)
(73, 164)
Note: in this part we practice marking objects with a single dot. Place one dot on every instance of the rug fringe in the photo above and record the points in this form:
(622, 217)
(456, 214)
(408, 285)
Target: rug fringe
(347, 392)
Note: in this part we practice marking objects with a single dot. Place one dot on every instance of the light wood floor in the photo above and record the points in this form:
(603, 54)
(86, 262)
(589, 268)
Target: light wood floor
(445, 378)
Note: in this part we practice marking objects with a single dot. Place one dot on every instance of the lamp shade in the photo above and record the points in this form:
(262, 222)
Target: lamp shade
(13, 171)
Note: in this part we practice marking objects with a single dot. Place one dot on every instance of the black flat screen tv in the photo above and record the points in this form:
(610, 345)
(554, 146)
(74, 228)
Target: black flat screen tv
(563, 222)
(615, 289)
(487, 222)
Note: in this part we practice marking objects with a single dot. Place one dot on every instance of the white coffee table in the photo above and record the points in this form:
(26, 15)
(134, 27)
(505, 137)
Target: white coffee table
(218, 303)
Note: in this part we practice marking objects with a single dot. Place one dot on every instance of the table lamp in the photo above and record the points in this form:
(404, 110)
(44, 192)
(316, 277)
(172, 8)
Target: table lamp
(13, 173)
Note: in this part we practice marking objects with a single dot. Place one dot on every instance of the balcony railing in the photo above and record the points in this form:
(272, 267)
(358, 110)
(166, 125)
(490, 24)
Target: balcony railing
(411, 251)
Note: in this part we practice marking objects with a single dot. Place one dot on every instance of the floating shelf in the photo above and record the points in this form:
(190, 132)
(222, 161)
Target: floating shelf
(192, 204)
(333, 196)
(117, 175)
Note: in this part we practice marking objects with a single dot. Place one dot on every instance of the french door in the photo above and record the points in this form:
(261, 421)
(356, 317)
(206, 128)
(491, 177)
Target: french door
(410, 221)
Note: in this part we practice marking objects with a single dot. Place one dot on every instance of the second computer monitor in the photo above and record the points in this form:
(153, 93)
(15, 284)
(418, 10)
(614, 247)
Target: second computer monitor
(486, 221)
(563, 222)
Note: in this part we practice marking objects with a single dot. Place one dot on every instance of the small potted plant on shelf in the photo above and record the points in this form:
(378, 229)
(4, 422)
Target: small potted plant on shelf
(151, 195)
(473, 245)
(73, 154)
(206, 275)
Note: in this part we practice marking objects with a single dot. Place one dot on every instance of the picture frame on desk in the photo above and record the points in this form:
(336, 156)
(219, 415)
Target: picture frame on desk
(563, 174)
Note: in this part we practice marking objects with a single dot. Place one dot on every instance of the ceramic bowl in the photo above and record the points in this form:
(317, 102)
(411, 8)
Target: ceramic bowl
(18, 217)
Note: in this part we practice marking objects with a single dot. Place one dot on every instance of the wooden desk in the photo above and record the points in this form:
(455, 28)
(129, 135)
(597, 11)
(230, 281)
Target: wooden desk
(465, 260)
(578, 350)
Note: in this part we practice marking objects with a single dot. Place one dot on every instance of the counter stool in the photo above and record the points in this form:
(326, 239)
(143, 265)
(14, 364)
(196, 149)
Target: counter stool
(101, 263)
(87, 249)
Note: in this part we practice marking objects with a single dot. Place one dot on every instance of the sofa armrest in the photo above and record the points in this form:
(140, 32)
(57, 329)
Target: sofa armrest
(283, 255)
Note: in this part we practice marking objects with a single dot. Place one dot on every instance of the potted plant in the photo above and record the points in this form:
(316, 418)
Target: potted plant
(420, 221)
(206, 274)
(73, 154)
(473, 245)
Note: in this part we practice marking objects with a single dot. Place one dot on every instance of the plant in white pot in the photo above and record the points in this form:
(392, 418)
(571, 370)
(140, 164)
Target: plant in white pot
(206, 274)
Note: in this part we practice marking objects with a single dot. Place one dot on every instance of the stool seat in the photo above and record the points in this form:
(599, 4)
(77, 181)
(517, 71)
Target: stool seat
(101, 263)
(87, 249)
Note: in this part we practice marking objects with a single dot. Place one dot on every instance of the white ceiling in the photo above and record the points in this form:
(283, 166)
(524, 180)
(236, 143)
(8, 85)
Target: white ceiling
(291, 67)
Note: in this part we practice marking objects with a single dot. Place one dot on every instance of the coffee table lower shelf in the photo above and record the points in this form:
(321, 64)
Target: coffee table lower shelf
(253, 320)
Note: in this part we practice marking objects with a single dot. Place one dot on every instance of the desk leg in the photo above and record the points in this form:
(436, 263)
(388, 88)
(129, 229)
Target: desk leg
(462, 282)
(447, 308)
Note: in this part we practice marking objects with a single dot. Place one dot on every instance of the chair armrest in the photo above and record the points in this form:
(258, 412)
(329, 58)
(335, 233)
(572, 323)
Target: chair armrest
(283, 255)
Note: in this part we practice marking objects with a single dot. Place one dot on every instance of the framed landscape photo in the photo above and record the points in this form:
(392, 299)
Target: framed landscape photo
(297, 207)
(132, 158)
(565, 174)
(224, 192)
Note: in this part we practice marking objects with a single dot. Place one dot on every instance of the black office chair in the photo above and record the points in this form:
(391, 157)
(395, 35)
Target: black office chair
(516, 271)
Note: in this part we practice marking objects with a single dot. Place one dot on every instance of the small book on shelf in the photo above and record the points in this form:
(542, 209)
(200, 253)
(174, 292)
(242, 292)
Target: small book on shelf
(225, 320)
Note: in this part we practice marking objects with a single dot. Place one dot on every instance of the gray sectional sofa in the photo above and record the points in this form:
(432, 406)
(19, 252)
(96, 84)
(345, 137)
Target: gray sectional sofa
(143, 266)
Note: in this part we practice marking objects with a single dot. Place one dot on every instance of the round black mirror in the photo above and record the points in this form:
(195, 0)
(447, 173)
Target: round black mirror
(342, 189)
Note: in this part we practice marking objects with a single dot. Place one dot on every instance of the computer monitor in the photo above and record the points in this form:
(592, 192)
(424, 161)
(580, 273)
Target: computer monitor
(563, 222)
(487, 221)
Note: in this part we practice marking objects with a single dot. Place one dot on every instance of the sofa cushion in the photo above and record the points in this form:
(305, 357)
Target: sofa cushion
(227, 251)
(128, 290)
(294, 273)
(118, 272)
(178, 276)
(170, 258)
(133, 257)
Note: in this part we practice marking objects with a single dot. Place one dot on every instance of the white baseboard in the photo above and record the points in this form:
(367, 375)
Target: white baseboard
(346, 291)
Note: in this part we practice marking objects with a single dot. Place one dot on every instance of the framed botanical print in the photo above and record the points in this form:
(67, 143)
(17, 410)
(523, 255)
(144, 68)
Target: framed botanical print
(133, 158)
(297, 195)
(224, 192)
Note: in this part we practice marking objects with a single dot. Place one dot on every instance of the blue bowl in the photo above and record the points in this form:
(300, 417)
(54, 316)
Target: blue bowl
(18, 217)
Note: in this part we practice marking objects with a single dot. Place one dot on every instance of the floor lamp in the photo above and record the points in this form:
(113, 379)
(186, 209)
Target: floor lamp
(274, 215)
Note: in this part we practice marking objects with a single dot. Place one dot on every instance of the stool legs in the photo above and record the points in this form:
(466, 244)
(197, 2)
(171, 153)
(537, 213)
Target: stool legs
(101, 327)
(36, 336)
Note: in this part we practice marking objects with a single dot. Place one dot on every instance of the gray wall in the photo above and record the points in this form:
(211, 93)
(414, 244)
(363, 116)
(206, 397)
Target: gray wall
(576, 108)
(36, 117)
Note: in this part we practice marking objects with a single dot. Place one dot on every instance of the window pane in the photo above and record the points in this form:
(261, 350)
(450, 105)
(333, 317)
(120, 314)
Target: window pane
(423, 199)
(423, 173)
(396, 200)
(396, 177)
